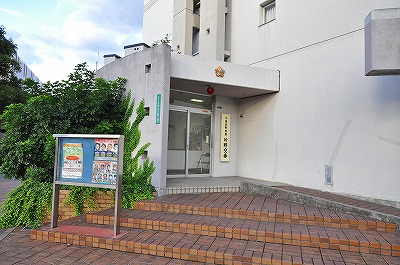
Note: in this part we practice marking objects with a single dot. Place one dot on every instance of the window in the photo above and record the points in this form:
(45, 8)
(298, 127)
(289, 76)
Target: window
(267, 12)
(196, 7)
(195, 41)
(147, 68)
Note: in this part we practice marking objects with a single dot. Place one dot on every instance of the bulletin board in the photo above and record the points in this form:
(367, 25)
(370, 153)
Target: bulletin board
(88, 160)
(85, 161)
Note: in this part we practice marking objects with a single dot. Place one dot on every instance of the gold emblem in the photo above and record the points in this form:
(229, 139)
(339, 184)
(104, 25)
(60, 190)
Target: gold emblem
(219, 71)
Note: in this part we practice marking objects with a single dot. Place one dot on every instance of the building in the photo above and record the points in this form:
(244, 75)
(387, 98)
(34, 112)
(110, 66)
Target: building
(25, 71)
(270, 90)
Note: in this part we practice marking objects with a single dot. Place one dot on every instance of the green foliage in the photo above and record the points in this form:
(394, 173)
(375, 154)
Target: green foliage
(81, 104)
(27, 204)
(10, 85)
(136, 184)
(80, 196)
(165, 40)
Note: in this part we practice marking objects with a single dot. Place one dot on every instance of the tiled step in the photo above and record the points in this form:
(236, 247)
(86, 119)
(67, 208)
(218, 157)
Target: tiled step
(272, 232)
(252, 207)
(201, 248)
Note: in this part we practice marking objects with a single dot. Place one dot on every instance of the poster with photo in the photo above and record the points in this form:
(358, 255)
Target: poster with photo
(105, 149)
(104, 172)
(72, 161)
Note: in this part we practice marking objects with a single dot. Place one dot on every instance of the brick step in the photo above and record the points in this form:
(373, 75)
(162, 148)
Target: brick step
(281, 233)
(200, 248)
(253, 207)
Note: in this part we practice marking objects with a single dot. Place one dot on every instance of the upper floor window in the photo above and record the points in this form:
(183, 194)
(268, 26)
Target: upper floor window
(195, 41)
(196, 7)
(267, 12)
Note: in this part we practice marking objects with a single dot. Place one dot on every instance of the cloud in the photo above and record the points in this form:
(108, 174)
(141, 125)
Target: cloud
(11, 12)
(91, 29)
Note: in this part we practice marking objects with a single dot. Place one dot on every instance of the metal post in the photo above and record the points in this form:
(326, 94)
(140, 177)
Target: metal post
(56, 187)
(54, 209)
(118, 188)
(117, 210)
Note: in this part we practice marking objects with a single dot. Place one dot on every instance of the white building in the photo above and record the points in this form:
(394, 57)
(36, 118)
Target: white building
(25, 71)
(291, 77)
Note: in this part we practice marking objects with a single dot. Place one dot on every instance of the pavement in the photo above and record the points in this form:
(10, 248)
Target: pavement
(6, 185)
(17, 247)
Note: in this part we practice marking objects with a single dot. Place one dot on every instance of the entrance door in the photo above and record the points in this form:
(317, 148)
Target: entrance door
(188, 149)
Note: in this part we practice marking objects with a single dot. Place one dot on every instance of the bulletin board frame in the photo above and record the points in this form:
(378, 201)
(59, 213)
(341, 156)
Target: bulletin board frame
(91, 160)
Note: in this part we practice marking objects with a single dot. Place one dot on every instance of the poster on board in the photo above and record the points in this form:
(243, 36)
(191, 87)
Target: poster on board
(104, 163)
(106, 149)
(104, 172)
(73, 161)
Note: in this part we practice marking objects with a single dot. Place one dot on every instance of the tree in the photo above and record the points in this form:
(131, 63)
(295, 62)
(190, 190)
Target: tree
(80, 104)
(10, 85)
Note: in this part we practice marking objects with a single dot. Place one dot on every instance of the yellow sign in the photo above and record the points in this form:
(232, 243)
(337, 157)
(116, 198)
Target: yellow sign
(225, 137)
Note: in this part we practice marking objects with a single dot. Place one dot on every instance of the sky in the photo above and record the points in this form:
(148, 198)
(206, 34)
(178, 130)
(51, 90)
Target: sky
(53, 36)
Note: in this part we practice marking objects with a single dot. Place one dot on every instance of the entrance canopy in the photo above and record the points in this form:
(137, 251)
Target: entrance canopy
(195, 75)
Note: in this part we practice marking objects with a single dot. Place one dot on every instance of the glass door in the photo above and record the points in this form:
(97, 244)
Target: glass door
(199, 144)
(177, 135)
(188, 150)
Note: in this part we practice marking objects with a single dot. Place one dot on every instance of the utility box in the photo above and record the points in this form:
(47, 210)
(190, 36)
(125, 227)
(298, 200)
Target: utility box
(382, 42)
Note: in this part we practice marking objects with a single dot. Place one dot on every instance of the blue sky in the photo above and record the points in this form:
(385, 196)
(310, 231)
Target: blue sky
(55, 35)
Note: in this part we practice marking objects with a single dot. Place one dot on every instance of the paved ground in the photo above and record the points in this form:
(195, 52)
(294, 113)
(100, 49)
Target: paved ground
(5, 186)
(18, 248)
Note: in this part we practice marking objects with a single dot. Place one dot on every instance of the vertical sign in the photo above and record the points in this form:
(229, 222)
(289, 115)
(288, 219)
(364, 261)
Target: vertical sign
(158, 108)
(225, 137)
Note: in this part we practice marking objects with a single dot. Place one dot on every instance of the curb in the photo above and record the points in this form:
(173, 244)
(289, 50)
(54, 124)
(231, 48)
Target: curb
(277, 193)
(6, 233)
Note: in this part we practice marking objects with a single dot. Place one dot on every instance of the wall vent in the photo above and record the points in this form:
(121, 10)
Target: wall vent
(328, 175)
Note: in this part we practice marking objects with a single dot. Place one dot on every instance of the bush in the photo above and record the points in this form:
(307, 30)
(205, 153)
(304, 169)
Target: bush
(81, 104)
(27, 204)
(136, 179)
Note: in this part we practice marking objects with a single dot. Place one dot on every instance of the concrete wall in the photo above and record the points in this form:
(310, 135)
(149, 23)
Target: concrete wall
(382, 42)
(212, 29)
(183, 23)
(224, 105)
(146, 86)
(157, 20)
(327, 112)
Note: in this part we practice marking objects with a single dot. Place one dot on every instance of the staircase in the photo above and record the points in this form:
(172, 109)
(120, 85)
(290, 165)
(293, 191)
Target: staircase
(235, 228)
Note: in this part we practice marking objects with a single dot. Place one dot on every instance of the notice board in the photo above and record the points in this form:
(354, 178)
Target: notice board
(89, 160)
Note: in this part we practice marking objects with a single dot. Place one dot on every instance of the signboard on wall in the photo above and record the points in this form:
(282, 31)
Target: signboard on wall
(225, 137)
(158, 108)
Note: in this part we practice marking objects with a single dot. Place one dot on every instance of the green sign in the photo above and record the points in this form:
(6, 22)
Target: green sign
(158, 108)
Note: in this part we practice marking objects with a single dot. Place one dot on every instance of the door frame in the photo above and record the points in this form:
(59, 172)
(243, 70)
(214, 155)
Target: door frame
(189, 111)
